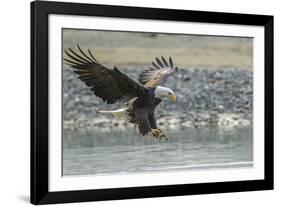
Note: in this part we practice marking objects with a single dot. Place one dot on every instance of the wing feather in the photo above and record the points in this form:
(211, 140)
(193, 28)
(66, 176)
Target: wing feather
(159, 63)
(171, 62)
(92, 55)
(69, 62)
(156, 66)
(73, 58)
(79, 56)
(165, 62)
(82, 52)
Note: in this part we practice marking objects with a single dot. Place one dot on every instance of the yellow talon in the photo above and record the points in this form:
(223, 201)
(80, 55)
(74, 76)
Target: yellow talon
(158, 134)
(155, 132)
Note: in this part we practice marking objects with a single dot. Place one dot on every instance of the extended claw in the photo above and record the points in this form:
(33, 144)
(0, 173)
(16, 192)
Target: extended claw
(159, 134)
(164, 136)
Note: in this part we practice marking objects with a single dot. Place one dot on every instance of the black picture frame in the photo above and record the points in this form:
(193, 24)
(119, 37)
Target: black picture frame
(40, 100)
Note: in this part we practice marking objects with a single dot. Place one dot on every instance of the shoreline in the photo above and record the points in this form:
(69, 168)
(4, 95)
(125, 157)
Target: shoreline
(225, 121)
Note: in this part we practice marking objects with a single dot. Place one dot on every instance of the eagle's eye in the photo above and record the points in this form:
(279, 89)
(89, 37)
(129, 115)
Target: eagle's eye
(170, 93)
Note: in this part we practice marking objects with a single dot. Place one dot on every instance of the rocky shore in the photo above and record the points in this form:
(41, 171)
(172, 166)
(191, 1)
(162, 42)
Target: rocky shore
(205, 98)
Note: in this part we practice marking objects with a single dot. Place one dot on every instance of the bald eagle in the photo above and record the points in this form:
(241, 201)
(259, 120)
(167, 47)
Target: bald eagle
(141, 98)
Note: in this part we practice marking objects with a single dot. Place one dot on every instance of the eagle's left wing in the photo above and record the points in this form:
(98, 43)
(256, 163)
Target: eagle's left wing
(109, 84)
(158, 74)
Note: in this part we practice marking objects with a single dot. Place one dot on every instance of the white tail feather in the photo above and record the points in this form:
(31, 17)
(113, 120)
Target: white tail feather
(119, 113)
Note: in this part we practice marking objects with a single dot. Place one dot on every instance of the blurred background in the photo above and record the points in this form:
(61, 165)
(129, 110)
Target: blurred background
(209, 127)
(123, 48)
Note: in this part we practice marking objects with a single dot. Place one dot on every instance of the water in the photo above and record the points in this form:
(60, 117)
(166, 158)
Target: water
(125, 151)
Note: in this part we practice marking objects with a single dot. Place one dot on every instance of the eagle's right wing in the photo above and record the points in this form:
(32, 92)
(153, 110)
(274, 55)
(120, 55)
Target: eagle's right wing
(109, 84)
(158, 73)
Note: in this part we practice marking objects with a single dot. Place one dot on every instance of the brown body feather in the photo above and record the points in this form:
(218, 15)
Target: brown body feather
(141, 112)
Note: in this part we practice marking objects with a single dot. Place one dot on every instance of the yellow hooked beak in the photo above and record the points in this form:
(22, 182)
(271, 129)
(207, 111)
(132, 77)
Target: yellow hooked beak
(173, 98)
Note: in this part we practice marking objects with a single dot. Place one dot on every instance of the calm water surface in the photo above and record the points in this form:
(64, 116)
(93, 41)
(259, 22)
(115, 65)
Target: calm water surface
(125, 151)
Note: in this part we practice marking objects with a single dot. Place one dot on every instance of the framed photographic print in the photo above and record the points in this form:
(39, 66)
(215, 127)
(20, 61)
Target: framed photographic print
(131, 102)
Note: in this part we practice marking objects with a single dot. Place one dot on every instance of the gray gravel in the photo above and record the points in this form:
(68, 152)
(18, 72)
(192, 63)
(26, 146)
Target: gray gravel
(205, 97)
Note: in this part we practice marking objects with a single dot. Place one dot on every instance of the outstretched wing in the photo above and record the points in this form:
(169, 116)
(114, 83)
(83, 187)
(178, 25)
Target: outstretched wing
(158, 73)
(109, 84)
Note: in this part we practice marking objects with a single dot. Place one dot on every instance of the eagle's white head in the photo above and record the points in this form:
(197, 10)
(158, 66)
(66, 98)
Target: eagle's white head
(162, 92)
